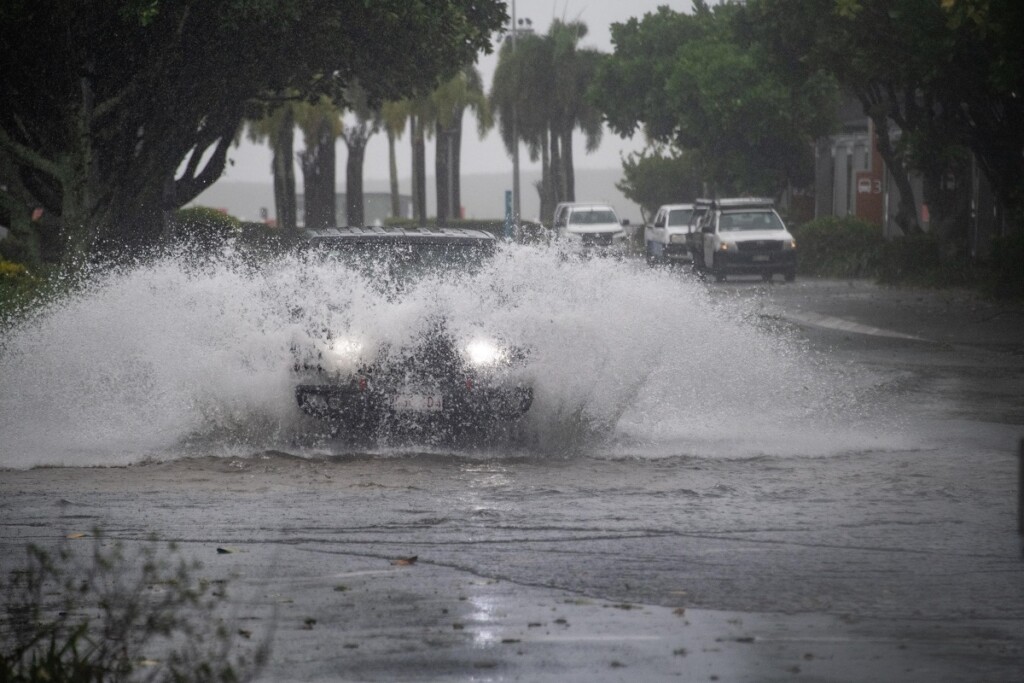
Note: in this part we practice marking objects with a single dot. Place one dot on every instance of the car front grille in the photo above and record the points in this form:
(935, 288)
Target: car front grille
(597, 239)
(759, 246)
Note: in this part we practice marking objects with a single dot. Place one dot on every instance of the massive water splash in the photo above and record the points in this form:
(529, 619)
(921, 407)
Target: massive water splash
(176, 357)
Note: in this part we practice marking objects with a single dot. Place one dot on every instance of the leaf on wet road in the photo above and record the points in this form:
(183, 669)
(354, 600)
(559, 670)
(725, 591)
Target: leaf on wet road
(405, 561)
(77, 534)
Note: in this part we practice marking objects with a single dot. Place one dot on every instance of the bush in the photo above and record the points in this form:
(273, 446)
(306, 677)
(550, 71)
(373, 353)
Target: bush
(839, 247)
(1005, 277)
(19, 287)
(918, 260)
(117, 616)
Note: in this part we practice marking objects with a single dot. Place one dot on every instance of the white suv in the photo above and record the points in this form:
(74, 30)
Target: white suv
(744, 236)
(592, 225)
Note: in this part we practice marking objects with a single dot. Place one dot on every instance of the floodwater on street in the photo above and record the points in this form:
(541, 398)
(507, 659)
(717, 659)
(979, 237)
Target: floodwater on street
(741, 446)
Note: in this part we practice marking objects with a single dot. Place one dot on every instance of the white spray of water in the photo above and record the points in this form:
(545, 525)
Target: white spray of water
(143, 362)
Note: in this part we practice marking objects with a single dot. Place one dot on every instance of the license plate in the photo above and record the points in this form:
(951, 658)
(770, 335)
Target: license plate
(762, 257)
(417, 402)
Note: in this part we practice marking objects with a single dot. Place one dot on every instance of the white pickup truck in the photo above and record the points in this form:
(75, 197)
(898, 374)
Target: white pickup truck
(666, 237)
(743, 236)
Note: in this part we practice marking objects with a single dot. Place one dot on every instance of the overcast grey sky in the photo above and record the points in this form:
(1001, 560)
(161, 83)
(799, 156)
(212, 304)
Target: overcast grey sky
(252, 162)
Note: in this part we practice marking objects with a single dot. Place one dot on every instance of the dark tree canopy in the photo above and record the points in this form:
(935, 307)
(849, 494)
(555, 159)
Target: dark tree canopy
(116, 111)
(945, 74)
(694, 82)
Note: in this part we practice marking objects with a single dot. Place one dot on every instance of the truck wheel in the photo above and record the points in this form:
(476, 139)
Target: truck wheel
(790, 275)
(718, 271)
(649, 254)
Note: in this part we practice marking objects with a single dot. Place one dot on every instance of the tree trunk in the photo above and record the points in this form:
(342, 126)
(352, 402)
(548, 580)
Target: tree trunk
(455, 145)
(354, 181)
(947, 192)
(419, 170)
(396, 206)
(441, 158)
(906, 214)
(555, 177)
(283, 168)
(568, 168)
(318, 179)
(547, 206)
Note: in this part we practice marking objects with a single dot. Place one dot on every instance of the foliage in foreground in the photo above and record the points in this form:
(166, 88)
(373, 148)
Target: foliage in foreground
(117, 615)
(853, 248)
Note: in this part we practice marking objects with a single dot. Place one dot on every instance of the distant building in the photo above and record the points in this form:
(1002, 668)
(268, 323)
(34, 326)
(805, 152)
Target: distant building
(852, 180)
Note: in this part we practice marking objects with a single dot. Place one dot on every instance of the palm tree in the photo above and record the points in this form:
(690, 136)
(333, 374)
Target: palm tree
(393, 117)
(574, 70)
(320, 123)
(277, 128)
(539, 89)
(450, 101)
(363, 122)
(421, 115)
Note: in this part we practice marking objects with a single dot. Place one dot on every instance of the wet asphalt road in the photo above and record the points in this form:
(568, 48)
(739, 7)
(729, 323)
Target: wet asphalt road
(900, 562)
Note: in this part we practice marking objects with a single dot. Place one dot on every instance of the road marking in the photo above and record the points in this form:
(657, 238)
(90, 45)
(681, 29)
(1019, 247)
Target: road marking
(832, 323)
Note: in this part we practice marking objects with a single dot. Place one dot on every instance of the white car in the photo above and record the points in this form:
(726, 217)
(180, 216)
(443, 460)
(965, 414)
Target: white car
(591, 225)
(744, 236)
(665, 239)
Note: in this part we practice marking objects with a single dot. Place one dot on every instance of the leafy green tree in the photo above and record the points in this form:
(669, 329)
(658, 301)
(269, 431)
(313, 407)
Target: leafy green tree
(116, 112)
(942, 75)
(659, 176)
(691, 81)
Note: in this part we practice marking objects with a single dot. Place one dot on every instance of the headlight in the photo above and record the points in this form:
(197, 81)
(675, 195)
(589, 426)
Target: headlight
(485, 353)
(343, 354)
(727, 246)
(789, 244)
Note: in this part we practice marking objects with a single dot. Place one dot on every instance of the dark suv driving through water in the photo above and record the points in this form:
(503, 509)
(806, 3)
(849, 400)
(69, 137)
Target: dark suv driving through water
(441, 380)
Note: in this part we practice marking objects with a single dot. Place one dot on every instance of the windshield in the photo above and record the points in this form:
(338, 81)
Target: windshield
(679, 217)
(390, 262)
(749, 220)
(594, 217)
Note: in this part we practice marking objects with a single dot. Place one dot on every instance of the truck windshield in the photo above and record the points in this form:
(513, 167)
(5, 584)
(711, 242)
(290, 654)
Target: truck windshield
(679, 217)
(749, 220)
(595, 217)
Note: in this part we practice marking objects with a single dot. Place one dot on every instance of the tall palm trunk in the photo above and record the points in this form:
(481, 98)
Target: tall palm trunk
(396, 207)
(354, 180)
(442, 157)
(568, 170)
(419, 169)
(283, 169)
(456, 167)
(318, 179)
(547, 205)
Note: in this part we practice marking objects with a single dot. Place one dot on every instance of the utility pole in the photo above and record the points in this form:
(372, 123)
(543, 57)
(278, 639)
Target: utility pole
(515, 139)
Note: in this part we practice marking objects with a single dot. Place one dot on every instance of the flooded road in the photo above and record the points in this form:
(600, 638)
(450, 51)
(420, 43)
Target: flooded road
(738, 480)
